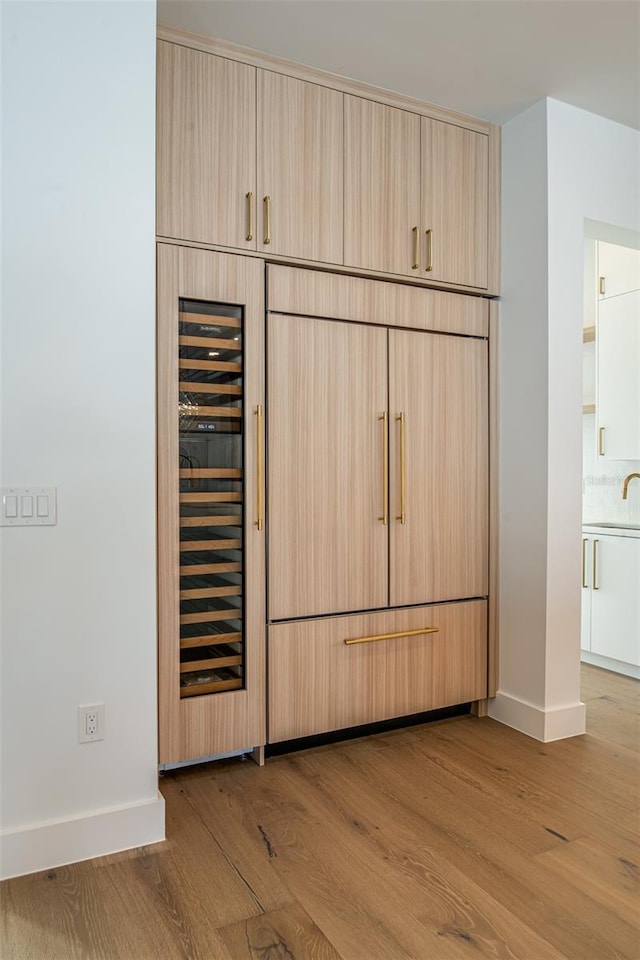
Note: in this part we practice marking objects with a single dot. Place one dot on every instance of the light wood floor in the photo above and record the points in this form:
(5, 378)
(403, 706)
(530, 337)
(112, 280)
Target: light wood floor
(461, 839)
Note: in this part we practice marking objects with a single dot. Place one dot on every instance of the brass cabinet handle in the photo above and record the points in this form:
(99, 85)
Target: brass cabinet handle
(594, 570)
(402, 516)
(429, 265)
(260, 468)
(385, 468)
(267, 219)
(601, 286)
(249, 198)
(416, 249)
(391, 636)
(584, 562)
(601, 442)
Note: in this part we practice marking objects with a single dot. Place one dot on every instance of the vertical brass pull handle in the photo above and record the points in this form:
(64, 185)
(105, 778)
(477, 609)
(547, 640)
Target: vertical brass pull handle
(601, 286)
(594, 569)
(429, 265)
(584, 562)
(402, 517)
(267, 219)
(416, 249)
(249, 199)
(601, 442)
(260, 468)
(384, 418)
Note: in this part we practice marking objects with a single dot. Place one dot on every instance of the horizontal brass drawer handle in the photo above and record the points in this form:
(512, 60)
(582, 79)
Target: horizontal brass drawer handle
(392, 636)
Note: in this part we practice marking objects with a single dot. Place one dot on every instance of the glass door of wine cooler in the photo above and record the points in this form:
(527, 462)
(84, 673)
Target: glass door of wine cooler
(211, 416)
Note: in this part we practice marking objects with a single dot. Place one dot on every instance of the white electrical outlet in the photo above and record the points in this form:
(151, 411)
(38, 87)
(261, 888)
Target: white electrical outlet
(90, 722)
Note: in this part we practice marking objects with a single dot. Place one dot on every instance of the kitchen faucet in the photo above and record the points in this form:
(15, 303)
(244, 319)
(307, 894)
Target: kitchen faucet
(625, 485)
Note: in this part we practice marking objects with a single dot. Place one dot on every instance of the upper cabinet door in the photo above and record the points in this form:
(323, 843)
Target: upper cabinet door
(381, 187)
(438, 410)
(618, 377)
(455, 200)
(206, 138)
(326, 467)
(618, 270)
(300, 168)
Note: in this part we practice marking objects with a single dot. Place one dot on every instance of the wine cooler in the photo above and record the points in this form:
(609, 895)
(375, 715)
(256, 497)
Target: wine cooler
(211, 495)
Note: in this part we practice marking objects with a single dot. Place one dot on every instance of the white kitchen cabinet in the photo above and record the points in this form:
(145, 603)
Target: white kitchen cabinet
(611, 602)
(585, 608)
(618, 270)
(618, 377)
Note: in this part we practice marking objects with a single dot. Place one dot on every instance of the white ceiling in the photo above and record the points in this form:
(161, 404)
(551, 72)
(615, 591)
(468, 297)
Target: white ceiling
(488, 58)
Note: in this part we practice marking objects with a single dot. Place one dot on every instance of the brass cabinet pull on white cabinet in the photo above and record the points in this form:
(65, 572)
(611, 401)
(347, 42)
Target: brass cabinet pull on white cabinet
(594, 566)
(416, 249)
(391, 636)
(584, 562)
(601, 442)
(601, 286)
(402, 516)
(429, 265)
(267, 219)
(260, 468)
(385, 468)
(249, 199)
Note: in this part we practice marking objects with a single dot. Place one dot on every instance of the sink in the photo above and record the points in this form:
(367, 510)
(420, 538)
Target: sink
(614, 526)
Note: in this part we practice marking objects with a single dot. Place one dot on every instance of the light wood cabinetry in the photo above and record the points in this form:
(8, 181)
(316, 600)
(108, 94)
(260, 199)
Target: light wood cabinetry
(211, 564)
(416, 195)
(327, 390)
(318, 682)
(206, 148)
(455, 197)
(259, 154)
(374, 430)
(313, 293)
(300, 168)
(438, 407)
(364, 398)
(382, 187)
(611, 601)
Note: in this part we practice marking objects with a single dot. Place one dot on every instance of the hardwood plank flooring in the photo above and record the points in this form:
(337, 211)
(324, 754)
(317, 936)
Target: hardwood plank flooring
(454, 840)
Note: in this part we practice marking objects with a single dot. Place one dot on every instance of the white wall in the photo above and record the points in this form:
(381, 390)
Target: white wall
(523, 404)
(591, 168)
(78, 412)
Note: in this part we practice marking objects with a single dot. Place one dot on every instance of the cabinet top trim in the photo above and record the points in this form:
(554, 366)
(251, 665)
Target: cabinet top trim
(357, 88)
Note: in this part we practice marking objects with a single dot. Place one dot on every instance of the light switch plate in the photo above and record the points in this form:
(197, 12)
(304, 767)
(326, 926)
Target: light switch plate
(28, 506)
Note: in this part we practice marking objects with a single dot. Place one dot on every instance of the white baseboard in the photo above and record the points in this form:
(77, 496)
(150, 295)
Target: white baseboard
(544, 725)
(46, 845)
(606, 663)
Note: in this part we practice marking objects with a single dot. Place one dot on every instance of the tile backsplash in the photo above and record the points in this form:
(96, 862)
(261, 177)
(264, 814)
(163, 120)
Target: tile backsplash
(602, 483)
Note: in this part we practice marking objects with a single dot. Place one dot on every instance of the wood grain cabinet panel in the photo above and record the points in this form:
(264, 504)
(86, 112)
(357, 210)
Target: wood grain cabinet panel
(206, 148)
(300, 168)
(382, 186)
(455, 203)
(318, 683)
(316, 293)
(327, 385)
(439, 468)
